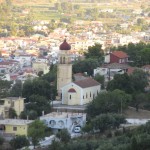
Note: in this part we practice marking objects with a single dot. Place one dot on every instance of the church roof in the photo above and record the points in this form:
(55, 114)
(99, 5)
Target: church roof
(88, 82)
(65, 46)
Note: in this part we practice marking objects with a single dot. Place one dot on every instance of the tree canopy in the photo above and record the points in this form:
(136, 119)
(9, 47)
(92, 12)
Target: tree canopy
(36, 131)
(87, 65)
(19, 141)
(108, 102)
(136, 82)
(95, 52)
(4, 88)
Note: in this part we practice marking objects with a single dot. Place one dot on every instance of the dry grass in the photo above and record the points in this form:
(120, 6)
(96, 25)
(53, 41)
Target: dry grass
(141, 114)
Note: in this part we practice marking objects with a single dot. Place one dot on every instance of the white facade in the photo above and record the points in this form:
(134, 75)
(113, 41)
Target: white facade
(61, 120)
(108, 73)
(73, 94)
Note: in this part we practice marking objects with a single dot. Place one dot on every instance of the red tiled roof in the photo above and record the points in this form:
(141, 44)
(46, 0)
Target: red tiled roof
(146, 67)
(88, 82)
(13, 77)
(79, 74)
(5, 63)
(72, 90)
(120, 54)
(130, 70)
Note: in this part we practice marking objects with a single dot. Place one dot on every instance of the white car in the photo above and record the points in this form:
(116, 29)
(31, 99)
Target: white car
(77, 129)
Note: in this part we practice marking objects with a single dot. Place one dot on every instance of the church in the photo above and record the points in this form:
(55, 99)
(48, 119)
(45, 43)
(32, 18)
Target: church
(79, 92)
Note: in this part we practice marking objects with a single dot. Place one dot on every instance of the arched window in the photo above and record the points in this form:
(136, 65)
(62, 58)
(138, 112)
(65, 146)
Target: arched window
(83, 96)
(86, 95)
(70, 96)
(63, 60)
(90, 94)
(93, 96)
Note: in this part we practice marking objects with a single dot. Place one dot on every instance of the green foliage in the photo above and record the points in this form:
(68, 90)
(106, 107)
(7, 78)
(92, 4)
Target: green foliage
(95, 52)
(1, 140)
(87, 128)
(38, 104)
(138, 99)
(108, 102)
(12, 113)
(55, 145)
(100, 79)
(4, 88)
(136, 82)
(36, 87)
(139, 80)
(87, 65)
(30, 114)
(122, 82)
(16, 90)
(19, 142)
(104, 122)
(36, 131)
(63, 136)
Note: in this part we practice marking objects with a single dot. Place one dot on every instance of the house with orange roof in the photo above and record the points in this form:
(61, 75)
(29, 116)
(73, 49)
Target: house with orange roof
(117, 57)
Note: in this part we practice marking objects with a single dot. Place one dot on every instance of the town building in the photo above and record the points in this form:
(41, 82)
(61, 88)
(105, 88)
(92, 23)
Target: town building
(17, 103)
(60, 120)
(15, 126)
(117, 57)
(40, 66)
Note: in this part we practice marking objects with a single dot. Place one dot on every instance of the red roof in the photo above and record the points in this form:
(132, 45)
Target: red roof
(120, 54)
(79, 74)
(72, 90)
(130, 70)
(146, 67)
(5, 63)
(88, 82)
(65, 46)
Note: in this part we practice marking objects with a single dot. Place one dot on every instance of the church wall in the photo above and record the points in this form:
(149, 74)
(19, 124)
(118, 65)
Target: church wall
(90, 93)
(71, 98)
(64, 76)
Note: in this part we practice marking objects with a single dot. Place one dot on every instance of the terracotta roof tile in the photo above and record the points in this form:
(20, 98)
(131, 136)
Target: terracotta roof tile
(88, 82)
(146, 67)
(120, 54)
(72, 90)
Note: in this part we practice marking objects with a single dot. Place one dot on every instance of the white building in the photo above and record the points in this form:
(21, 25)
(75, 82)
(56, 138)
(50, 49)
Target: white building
(80, 92)
(61, 120)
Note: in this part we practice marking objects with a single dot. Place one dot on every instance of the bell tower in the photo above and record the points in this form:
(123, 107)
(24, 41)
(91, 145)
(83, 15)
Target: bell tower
(64, 67)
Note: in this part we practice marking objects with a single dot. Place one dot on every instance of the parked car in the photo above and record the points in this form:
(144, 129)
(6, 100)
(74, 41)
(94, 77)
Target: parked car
(77, 129)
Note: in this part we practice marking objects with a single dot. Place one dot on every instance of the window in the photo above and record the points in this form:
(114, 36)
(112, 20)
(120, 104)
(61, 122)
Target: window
(12, 104)
(70, 96)
(93, 96)
(14, 128)
(86, 95)
(90, 94)
(83, 96)
(64, 60)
